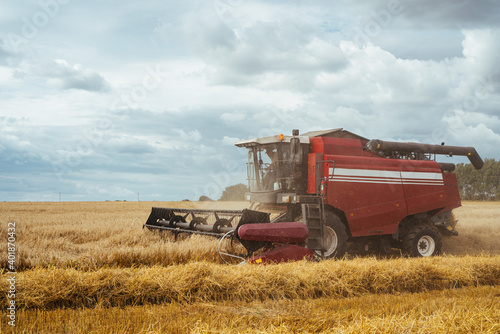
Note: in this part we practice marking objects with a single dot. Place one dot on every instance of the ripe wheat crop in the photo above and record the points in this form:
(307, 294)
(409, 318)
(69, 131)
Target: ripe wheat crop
(206, 282)
(93, 235)
(466, 310)
(84, 267)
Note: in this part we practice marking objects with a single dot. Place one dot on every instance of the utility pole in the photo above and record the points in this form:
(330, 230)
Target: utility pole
(137, 197)
(59, 196)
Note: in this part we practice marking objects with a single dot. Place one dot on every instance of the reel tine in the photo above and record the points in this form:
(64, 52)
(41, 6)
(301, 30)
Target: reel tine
(202, 221)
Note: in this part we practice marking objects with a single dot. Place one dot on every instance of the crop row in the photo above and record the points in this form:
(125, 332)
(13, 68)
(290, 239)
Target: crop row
(49, 288)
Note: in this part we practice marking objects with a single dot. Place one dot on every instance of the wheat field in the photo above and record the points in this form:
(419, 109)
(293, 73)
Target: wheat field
(90, 267)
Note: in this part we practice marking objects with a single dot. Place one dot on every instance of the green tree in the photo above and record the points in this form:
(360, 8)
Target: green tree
(204, 198)
(483, 184)
(234, 193)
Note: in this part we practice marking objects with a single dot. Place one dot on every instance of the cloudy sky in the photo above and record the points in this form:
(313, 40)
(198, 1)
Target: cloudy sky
(102, 100)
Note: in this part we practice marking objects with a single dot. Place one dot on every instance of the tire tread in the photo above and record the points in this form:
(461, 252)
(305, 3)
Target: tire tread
(335, 222)
(412, 231)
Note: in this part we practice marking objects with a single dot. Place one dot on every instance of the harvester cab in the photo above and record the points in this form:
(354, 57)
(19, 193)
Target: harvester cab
(332, 188)
(276, 167)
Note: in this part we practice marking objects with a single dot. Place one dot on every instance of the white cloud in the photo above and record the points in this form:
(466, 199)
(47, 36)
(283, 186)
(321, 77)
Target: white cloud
(5, 75)
(187, 136)
(259, 68)
(481, 49)
(473, 129)
(62, 75)
(232, 117)
(230, 141)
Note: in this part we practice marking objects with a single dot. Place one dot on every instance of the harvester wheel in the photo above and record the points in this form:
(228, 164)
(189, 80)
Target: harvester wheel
(422, 240)
(334, 237)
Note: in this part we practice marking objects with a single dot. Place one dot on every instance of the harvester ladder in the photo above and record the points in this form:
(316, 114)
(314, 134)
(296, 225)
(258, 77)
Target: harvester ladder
(314, 217)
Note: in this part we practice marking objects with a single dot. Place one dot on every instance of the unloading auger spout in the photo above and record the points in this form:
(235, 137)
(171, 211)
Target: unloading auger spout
(389, 148)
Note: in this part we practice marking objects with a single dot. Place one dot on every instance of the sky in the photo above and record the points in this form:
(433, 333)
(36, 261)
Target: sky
(127, 100)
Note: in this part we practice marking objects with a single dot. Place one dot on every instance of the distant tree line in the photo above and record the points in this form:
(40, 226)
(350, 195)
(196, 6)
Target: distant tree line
(483, 184)
(231, 193)
(234, 193)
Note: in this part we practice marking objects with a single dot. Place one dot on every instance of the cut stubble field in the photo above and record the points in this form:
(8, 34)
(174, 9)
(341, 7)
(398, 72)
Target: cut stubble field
(90, 267)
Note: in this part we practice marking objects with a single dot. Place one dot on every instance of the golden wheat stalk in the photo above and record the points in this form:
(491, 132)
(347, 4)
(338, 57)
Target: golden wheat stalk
(203, 281)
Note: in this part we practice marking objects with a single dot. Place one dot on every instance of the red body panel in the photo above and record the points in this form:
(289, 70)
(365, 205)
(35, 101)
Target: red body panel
(295, 232)
(377, 193)
(452, 195)
(369, 191)
(337, 146)
(311, 174)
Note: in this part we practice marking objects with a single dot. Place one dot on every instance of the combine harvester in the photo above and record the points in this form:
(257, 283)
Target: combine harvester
(334, 187)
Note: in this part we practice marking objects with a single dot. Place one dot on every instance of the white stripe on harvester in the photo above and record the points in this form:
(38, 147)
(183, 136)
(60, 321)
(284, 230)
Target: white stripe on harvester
(366, 172)
(422, 175)
(385, 177)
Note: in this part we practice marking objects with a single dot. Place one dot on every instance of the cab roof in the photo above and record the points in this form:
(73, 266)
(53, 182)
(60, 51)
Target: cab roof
(270, 140)
(336, 133)
(304, 138)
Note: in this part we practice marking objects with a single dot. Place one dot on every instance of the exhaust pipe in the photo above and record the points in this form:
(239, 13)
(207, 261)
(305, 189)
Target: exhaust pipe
(388, 147)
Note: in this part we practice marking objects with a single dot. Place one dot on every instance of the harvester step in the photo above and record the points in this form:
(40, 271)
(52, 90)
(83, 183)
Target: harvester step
(312, 215)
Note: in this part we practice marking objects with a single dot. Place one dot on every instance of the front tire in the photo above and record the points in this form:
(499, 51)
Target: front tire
(422, 240)
(334, 237)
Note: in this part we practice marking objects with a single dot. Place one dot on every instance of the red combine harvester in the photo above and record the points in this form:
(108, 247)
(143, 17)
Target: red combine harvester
(333, 188)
